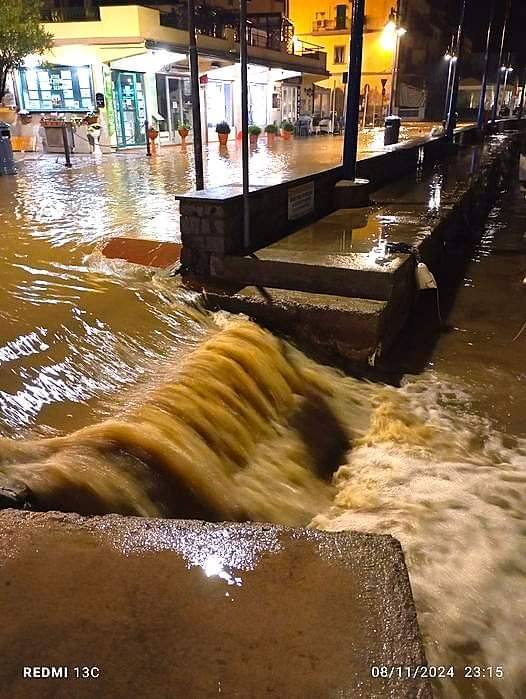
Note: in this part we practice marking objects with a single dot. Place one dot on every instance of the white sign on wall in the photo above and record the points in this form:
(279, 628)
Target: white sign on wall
(301, 201)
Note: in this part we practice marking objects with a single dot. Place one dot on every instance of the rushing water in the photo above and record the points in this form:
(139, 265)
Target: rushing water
(123, 395)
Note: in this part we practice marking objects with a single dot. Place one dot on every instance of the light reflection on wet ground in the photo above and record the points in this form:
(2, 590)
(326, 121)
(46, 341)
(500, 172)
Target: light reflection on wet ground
(71, 334)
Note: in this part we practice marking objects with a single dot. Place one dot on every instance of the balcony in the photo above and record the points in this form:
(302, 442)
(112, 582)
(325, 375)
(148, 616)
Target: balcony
(71, 13)
(264, 30)
(322, 26)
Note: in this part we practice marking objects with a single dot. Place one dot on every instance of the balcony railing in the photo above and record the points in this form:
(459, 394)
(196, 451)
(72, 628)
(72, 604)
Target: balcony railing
(71, 13)
(330, 25)
(264, 30)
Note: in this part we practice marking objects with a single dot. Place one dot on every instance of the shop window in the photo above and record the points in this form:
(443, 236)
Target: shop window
(339, 54)
(57, 89)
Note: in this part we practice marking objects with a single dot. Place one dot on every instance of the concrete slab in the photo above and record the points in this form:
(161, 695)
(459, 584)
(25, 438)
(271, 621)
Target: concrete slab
(353, 328)
(150, 253)
(166, 608)
(373, 275)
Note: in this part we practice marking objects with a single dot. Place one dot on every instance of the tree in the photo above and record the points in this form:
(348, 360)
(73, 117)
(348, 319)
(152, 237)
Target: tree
(21, 34)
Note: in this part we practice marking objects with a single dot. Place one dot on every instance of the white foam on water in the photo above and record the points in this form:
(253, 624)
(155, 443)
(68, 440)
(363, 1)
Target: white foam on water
(453, 491)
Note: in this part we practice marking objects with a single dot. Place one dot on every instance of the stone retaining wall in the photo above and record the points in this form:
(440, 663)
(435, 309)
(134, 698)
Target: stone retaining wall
(212, 220)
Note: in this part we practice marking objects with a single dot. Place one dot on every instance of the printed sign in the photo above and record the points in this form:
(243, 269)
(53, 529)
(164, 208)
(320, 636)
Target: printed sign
(301, 201)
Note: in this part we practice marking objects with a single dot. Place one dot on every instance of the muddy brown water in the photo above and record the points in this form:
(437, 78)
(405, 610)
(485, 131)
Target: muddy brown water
(115, 385)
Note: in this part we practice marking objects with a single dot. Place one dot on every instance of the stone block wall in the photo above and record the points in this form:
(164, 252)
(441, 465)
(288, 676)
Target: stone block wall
(212, 220)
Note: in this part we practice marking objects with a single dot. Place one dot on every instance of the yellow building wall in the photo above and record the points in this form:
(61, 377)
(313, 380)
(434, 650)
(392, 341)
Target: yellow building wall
(378, 48)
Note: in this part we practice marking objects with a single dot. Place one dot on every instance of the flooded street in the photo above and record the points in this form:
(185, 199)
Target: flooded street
(440, 462)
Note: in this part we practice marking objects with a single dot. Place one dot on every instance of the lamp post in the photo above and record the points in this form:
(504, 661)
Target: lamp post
(243, 51)
(521, 105)
(507, 70)
(452, 116)
(451, 58)
(501, 68)
(196, 101)
(482, 103)
(399, 31)
(350, 142)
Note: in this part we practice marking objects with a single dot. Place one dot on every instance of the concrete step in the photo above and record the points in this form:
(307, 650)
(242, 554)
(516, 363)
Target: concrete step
(158, 608)
(354, 328)
(356, 275)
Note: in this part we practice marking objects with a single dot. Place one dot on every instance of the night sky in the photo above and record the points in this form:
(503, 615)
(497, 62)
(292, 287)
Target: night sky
(477, 18)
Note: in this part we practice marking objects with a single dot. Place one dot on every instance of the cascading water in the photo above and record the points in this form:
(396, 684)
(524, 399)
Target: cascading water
(231, 432)
(244, 428)
(174, 412)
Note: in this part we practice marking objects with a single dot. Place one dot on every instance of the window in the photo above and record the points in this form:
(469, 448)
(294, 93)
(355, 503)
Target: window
(339, 54)
(57, 89)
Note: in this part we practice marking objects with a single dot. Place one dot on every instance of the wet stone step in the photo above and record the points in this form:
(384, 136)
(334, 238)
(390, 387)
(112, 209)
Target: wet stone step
(354, 328)
(158, 608)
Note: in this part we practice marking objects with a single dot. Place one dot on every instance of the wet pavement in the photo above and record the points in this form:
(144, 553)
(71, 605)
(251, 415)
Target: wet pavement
(443, 466)
(162, 611)
(76, 328)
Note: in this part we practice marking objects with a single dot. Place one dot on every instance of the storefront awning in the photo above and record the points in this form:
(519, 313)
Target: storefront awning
(150, 61)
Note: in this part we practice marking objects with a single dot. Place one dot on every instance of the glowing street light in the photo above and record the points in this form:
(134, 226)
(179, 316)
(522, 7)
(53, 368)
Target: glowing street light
(392, 34)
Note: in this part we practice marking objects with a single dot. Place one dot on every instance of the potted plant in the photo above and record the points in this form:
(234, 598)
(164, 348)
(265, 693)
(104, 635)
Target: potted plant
(222, 130)
(183, 128)
(152, 134)
(91, 118)
(271, 130)
(253, 133)
(287, 129)
(25, 117)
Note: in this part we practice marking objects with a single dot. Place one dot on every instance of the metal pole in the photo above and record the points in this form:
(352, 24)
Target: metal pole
(350, 143)
(67, 151)
(521, 105)
(452, 117)
(148, 145)
(482, 103)
(499, 71)
(506, 73)
(244, 120)
(394, 78)
(196, 98)
(448, 88)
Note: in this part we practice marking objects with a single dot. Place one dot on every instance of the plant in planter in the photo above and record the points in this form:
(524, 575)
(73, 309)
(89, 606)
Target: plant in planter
(222, 130)
(183, 129)
(253, 132)
(25, 117)
(21, 34)
(287, 129)
(91, 118)
(271, 130)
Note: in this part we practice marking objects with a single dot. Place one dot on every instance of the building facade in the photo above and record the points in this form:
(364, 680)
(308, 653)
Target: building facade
(130, 63)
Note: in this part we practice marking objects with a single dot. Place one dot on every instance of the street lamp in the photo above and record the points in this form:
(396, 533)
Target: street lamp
(506, 71)
(451, 59)
(500, 72)
(393, 32)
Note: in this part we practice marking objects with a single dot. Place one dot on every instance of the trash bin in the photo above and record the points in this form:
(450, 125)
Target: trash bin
(7, 162)
(392, 130)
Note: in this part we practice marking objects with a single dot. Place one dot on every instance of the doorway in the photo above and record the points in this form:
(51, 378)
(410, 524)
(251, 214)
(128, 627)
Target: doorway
(130, 108)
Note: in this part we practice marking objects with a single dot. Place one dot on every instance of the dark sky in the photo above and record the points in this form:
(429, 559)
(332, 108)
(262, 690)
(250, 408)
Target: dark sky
(477, 17)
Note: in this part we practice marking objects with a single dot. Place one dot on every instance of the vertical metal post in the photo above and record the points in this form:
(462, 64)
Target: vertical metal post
(499, 68)
(350, 143)
(148, 144)
(452, 116)
(521, 105)
(448, 88)
(394, 79)
(196, 98)
(65, 141)
(506, 74)
(243, 50)
(482, 103)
